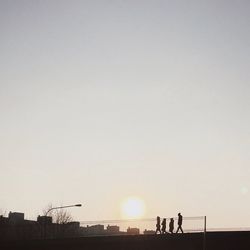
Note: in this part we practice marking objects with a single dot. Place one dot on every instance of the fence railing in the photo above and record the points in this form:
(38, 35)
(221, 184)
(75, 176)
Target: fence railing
(145, 225)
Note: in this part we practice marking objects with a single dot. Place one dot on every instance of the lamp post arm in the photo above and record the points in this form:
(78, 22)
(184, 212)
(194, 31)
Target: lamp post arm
(77, 205)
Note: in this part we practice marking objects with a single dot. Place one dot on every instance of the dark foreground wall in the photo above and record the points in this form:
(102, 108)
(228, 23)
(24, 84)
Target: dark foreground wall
(214, 241)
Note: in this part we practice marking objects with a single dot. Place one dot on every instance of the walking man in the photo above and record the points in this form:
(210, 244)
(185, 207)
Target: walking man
(163, 226)
(158, 225)
(171, 226)
(179, 223)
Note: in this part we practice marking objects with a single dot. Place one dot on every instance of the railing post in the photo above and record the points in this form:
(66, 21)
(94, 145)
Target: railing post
(205, 232)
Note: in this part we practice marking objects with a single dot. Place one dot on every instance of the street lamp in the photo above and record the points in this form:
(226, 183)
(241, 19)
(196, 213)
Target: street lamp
(53, 208)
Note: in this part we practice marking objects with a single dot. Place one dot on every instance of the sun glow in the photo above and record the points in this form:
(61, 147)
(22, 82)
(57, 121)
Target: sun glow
(132, 208)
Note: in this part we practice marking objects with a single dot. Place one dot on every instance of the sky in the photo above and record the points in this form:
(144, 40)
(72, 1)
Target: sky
(102, 100)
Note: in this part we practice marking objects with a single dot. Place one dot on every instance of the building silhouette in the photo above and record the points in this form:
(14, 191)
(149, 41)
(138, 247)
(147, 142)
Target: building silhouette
(16, 227)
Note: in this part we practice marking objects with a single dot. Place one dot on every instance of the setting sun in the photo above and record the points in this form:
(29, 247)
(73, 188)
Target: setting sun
(132, 208)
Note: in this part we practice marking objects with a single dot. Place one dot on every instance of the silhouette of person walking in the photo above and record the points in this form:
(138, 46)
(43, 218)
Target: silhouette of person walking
(171, 226)
(163, 226)
(158, 225)
(179, 223)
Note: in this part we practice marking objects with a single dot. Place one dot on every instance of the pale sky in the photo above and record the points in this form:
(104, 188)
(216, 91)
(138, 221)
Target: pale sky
(100, 100)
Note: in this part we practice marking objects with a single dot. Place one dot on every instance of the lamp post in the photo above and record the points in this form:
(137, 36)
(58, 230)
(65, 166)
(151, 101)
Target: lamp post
(53, 208)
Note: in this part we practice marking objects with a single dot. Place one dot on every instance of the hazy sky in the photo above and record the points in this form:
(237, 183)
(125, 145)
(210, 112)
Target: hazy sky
(100, 100)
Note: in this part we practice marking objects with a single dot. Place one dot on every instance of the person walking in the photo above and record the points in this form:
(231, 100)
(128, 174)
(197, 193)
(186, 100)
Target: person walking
(171, 226)
(163, 226)
(179, 223)
(158, 225)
